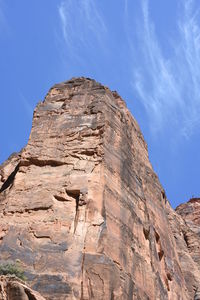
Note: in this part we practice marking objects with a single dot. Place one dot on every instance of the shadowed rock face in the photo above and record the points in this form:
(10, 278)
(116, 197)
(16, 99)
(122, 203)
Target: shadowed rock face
(82, 208)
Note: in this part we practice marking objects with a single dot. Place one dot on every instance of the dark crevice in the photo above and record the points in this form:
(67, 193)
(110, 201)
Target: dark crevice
(169, 276)
(163, 195)
(186, 239)
(41, 163)
(160, 254)
(146, 233)
(90, 289)
(29, 209)
(60, 198)
(76, 195)
(167, 283)
(82, 269)
(157, 237)
(88, 152)
(38, 208)
(10, 179)
(30, 295)
(112, 296)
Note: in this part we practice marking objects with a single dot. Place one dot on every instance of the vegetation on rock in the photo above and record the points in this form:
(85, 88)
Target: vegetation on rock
(11, 268)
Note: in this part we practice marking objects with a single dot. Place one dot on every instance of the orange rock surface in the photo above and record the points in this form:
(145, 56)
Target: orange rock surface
(82, 208)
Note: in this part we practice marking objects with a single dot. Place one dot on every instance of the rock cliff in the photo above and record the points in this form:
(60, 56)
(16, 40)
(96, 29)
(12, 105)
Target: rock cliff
(82, 208)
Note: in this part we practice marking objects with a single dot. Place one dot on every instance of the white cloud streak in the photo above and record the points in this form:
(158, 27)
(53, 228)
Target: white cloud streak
(82, 25)
(166, 82)
(169, 87)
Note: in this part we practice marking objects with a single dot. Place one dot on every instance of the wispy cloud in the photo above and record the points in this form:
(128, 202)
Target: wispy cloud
(82, 25)
(166, 82)
(169, 87)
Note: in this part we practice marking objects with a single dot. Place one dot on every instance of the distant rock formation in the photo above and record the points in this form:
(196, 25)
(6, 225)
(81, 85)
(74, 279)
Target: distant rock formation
(82, 208)
(190, 212)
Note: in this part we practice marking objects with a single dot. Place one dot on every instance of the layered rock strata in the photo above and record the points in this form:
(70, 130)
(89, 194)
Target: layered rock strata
(82, 208)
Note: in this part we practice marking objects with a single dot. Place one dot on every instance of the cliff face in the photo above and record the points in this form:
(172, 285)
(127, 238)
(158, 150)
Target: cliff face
(82, 208)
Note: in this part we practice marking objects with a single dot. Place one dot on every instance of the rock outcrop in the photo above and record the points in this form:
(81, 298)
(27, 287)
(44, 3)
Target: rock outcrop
(190, 230)
(11, 288)
(190, 212)
(82, 208)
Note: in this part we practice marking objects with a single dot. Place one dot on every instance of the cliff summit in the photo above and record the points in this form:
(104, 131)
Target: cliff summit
(85, 213)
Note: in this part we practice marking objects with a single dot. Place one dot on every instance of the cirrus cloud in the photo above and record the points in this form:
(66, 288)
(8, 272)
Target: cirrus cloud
(169, 87)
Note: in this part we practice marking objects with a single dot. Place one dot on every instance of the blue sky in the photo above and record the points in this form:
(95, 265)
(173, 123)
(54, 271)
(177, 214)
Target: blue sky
(149, 51)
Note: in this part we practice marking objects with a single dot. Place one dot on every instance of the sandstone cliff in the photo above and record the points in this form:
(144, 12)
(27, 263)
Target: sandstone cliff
(82, 208)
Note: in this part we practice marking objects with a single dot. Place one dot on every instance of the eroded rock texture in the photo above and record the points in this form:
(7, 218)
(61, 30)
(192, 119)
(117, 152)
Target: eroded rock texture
(190, 212)
(190, 230)
(82, 208)
(12, 288)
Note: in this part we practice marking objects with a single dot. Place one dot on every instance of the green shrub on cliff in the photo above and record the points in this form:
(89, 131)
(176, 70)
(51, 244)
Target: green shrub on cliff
(12, 269)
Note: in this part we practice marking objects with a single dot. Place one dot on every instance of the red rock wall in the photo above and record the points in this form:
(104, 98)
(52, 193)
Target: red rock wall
(82, 208)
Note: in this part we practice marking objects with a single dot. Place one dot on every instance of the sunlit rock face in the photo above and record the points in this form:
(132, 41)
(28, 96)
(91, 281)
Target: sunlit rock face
(190, 230)
(82, 208)
(190, 212)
